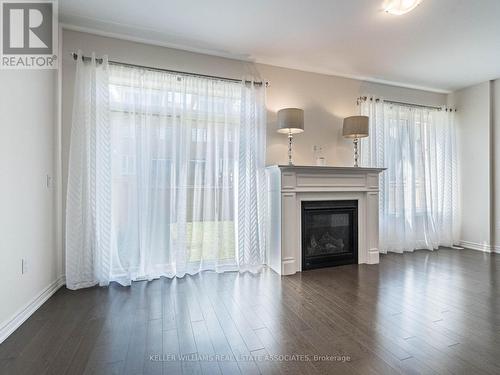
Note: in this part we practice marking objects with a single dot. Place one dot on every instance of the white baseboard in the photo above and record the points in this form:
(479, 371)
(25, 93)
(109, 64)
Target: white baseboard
(6, 328)
(487, 248)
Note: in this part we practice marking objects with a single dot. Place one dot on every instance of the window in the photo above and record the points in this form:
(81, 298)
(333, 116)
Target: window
(174, 163)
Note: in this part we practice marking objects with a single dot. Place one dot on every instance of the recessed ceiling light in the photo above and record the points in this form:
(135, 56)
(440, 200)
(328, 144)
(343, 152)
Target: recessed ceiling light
(399, 7)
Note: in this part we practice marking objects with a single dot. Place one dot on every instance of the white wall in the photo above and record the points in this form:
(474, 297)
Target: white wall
(27, 206)
(476, 150)
(326, 100)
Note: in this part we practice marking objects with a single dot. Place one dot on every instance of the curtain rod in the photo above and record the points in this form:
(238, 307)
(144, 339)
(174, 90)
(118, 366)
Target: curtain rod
(100, 60)
(413, 105)
(364, 98)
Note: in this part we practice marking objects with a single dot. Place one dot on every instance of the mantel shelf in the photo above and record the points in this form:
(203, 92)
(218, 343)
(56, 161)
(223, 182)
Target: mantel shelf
(327, 168)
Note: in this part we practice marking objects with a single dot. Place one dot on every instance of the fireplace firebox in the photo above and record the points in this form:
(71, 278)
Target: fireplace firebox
(329, 233)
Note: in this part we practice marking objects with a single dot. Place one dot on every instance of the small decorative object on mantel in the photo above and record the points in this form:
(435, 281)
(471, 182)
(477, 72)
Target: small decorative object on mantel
(318, 156)
(290, 121)
(355, 127)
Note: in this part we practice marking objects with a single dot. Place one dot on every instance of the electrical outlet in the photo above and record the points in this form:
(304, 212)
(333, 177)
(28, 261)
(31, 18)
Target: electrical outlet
(24, 266)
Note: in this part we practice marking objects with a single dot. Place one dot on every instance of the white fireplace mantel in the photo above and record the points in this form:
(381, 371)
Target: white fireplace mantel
(290, 185)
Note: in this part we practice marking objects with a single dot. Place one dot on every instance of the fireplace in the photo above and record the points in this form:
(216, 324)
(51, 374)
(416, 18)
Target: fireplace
(329, 233)
(289, 186)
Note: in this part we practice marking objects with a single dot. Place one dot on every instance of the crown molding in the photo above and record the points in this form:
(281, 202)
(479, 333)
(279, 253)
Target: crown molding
(152, 42)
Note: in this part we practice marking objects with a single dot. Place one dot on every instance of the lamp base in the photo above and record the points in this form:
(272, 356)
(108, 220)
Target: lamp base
(356, 154)
(290, 137)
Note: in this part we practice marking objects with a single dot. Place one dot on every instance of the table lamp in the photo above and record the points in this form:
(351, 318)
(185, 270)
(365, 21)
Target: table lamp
(355, 127)
(290, 121)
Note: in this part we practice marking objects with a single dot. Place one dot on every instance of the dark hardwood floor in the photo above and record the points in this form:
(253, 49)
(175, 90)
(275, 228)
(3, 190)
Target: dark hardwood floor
(422, 312)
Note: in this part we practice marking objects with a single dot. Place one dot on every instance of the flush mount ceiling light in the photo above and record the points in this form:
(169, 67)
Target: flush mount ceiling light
(400, 7)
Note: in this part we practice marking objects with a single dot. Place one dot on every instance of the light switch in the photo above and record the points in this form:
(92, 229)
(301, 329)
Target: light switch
(49, 182)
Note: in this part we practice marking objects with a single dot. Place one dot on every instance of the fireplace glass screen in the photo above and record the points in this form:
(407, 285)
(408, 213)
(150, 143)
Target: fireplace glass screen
(329, 233)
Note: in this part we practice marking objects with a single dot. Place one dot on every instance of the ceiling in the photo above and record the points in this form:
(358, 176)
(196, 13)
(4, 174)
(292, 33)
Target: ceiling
(442, 45)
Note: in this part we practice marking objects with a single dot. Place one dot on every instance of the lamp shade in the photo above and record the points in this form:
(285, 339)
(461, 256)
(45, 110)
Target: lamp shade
(355, 127)
(290, 120)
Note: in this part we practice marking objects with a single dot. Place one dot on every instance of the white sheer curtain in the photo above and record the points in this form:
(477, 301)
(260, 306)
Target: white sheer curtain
(419, 189)
(252, 182)
(88, 203)
(187, 175)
